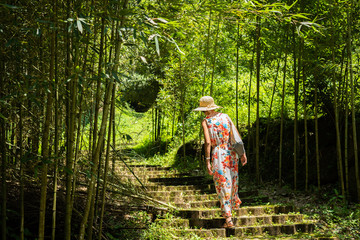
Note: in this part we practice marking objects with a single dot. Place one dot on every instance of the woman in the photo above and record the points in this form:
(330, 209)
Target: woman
(224, 164)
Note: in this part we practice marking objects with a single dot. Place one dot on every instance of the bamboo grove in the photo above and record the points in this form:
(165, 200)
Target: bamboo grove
(66, 63)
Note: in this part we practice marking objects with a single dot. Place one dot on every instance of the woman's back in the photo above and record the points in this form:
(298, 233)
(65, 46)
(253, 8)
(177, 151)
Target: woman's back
(219, 128)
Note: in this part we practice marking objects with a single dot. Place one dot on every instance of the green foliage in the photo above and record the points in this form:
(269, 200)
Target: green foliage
(140, 92)
(336, 217)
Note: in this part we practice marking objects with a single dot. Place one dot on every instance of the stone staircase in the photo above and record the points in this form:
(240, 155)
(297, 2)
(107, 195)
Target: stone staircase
(198, 212)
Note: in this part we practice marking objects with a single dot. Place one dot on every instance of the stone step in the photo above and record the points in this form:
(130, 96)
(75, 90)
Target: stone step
(175, 193)
(188, 198)
(216, 203)
(244, 221)
(243, 211)
(253, 232)
(166, 181)
(147, 177)
(186, 180)
(174, 222)
(272, 230)
(144, 166)
(184, 193)
(152, 174)
(201, 187)
(191, 196)
(214, 233)
(247, 220)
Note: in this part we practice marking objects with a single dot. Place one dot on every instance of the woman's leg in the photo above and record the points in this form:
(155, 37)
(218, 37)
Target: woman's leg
(235, 200)
(223, 190)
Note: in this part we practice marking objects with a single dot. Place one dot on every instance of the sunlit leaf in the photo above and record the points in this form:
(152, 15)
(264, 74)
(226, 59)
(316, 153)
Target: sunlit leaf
(161, 20)
(292, 5)
(151, 37)
(157, 45)
(78, 22)
(143, 59)
(151, 21)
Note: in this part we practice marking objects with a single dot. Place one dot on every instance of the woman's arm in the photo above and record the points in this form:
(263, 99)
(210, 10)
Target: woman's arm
(207, 146)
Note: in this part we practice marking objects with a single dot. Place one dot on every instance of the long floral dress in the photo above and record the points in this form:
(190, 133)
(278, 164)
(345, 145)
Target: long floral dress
(224, 163)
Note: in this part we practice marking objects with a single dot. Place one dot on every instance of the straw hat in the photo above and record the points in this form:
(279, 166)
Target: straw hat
(206, 104)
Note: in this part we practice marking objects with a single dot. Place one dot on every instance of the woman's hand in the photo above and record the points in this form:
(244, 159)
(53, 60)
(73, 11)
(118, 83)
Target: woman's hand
(209, 169)
(243, 159)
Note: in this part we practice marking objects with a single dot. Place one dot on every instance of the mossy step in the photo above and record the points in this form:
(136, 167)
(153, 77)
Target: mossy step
(175, 193)
(186, 180)
(216, 203)
(247, 220)
(144, 167)
(203, 187)
(243, 211)
(244, 221)
(173, 222)
(223, 234)
(214, 233)
(188, 196)
(253, 232)
(272, 230)
(153, 173)
(146, 177)
(185, 193)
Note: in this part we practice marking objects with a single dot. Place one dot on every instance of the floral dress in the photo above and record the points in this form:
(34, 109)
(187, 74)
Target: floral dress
(224, 163)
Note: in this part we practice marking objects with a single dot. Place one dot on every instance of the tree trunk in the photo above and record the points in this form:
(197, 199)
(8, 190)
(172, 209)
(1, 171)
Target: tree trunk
(337, 128)
(353, 112)
(317, 132)
(182, 87)
(96, 152)
(237, 76)
(207, 55)
(282, 113)
(346, 131)
(56, 127)
(258, 20)
(3, 154)
(3, 172)
(249, 96)
(45, 154)
(106, 163)
(214, 57)
(296, 94)
(305, 119)
(22, 211)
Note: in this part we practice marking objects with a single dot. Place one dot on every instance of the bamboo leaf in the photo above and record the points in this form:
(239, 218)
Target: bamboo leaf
(143, 59)
(3, 117)
(10, 6)
(292, 5)
(157, 45)
(151, 21)
(143, 38)
(152, 36)
(161, 20)
(87, 28)
(78, 22)
(116, 77)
